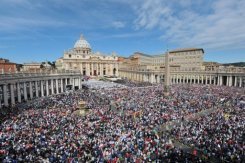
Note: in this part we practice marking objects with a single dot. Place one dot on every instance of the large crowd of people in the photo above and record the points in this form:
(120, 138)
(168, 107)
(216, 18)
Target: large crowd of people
(125, 123)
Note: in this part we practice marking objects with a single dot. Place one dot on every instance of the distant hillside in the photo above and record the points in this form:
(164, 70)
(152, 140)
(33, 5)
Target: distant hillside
(238, 64)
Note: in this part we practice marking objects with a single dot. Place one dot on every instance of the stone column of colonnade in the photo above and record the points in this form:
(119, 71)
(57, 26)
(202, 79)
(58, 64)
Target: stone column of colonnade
(30, 90)
(5, 95)
(18, 92)
(41, 86)
(52, 86)
(57, 86)
(36, 88)
(227, 81)
(235, 84)
(79, 83)
(230, 81)
(240, 83)
(12, 94)
(25, 91)
(61, 86)
(47, 88)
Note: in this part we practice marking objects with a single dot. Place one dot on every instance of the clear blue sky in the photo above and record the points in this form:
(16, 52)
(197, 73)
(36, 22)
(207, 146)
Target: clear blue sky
(39, 30)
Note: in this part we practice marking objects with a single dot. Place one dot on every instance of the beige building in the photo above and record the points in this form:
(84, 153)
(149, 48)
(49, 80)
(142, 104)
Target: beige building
(81, 58)
(186, 67)
(31, 67)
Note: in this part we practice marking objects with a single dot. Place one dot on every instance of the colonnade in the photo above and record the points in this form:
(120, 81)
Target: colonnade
(227, 80)
(236, 80)
(143, 77)
(17, 91)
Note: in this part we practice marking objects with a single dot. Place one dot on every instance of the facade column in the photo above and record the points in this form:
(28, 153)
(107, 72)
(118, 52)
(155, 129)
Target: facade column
(97, 69)
(202, 79)
(41, 86)
(215, 80)
(198, 79)
(240, 83)
(195, 79)
(87, 69)
(30, 89)
(102, 69)
(111, 67)
(5, 95)
(18, 92)
(57, 86)
(12, 94)
(206, 79)
(210, 79)
(52, 86)
(61, 85)
(25, 91)
(117, 73)
(36, 88)
(47, 88)
(92, 69)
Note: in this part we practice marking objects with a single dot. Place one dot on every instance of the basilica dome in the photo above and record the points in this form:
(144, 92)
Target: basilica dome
(82, 43)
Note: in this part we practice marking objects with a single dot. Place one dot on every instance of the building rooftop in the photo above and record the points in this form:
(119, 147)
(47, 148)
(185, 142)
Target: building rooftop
(186, 49)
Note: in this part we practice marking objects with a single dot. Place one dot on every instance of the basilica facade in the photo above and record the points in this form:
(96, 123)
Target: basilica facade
(82, 58)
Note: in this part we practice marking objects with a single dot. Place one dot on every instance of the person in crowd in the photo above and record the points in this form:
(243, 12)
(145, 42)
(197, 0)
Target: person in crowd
(125, 124)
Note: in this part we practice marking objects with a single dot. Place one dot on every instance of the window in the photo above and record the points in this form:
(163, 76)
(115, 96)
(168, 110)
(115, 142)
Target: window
(69, 55)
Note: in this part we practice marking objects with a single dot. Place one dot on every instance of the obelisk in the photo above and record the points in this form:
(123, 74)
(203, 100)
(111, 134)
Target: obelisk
(167, 76)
